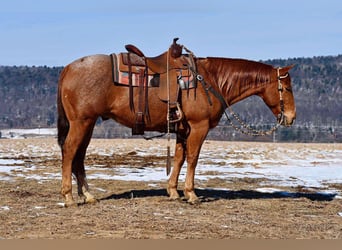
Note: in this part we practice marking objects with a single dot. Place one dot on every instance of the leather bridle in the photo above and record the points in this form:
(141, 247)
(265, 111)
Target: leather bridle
(280, 90)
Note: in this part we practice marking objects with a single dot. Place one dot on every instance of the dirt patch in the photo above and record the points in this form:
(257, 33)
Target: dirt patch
(230, 209)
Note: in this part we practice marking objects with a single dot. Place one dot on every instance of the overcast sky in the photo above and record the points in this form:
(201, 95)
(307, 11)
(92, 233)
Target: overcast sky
(56, 32)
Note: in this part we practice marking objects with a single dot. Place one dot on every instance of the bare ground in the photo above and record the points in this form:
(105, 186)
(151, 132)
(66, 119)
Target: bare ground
(30, 208)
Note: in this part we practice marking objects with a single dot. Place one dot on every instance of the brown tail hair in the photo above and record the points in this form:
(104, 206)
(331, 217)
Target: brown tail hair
(62, 122)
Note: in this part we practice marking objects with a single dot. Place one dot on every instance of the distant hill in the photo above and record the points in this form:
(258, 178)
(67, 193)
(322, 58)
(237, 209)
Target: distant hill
(28, 100)
(28, 96)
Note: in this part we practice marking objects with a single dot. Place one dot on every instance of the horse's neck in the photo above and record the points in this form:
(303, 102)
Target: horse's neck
(232, 80)
(237, 94)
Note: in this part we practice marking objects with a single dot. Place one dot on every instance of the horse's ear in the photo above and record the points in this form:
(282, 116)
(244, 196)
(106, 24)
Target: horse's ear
(286, 69)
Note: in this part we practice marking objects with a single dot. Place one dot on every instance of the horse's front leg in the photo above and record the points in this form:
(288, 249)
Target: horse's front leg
(179, 159)
(195, 140)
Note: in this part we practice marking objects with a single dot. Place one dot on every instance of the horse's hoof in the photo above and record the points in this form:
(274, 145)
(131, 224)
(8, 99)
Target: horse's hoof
(191, 197)
(69, 201)
(173, 194)
(70, 204)
(91, 201)
(175, 199)
(89, 198)
(194, 202)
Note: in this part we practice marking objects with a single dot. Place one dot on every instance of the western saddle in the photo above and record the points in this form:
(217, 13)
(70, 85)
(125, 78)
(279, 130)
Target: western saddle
(166, 71)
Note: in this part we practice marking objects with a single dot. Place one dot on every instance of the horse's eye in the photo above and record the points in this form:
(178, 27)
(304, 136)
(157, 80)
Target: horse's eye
(289, 89)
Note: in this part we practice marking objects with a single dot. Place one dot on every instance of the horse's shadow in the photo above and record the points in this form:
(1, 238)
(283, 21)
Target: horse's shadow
(209, 195)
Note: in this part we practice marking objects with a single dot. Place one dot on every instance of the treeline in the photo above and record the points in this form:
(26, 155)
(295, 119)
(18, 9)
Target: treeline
(28, 96)
(28, 100)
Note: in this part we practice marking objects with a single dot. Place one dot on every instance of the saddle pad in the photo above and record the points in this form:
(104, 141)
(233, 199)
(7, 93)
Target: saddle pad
(121, 73)
(137, 63)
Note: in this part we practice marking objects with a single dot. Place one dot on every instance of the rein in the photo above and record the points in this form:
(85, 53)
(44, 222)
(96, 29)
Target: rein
(246, 129)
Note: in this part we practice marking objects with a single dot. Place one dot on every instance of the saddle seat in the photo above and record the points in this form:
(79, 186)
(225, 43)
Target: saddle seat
(158, 65)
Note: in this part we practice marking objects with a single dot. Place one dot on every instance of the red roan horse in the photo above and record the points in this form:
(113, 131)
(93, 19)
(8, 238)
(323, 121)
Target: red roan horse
(86, 92)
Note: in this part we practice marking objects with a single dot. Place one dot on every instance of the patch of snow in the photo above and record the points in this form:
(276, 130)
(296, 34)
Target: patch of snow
(8, 167)
(24, 133)
(101, 189)
(268, 190)
(10, 162)
(153, 185)
(61, 204)
(39, 207)
(5, 208)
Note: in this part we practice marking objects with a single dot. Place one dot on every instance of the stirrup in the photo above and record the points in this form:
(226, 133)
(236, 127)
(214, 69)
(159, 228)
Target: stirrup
(179, 114)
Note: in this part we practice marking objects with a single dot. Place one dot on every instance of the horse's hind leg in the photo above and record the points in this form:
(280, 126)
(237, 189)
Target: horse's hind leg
(73, 156)
(78, 168)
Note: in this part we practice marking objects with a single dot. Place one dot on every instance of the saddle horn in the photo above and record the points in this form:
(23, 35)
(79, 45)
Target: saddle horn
(176, 49)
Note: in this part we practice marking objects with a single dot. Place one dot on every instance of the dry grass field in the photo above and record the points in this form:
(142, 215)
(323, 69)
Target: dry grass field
(248, 191)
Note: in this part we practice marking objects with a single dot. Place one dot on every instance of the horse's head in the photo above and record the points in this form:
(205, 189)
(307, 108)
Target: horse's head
(279, 97)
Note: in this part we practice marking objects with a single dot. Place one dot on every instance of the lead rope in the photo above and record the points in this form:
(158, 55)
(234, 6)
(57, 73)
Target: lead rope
(248, 130)
(168, 157)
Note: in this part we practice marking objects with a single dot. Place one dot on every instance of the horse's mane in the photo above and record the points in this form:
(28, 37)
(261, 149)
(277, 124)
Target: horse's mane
(234, 76)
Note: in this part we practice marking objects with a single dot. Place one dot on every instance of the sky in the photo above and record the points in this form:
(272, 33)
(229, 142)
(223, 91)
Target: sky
(56, 32)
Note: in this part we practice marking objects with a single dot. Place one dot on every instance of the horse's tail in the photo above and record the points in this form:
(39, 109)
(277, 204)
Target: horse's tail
(62, 122)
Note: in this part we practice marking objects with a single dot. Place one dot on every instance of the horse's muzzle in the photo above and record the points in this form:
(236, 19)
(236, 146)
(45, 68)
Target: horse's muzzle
(285, 120)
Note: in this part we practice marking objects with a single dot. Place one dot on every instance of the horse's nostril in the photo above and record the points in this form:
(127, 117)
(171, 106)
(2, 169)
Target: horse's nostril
(288, 122)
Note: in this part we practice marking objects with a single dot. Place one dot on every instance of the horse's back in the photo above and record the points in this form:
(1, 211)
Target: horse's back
(87, 71)
(90, 61)
(84, 83)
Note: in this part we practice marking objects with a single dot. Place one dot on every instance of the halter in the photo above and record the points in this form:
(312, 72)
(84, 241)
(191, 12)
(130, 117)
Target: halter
(280, 90)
